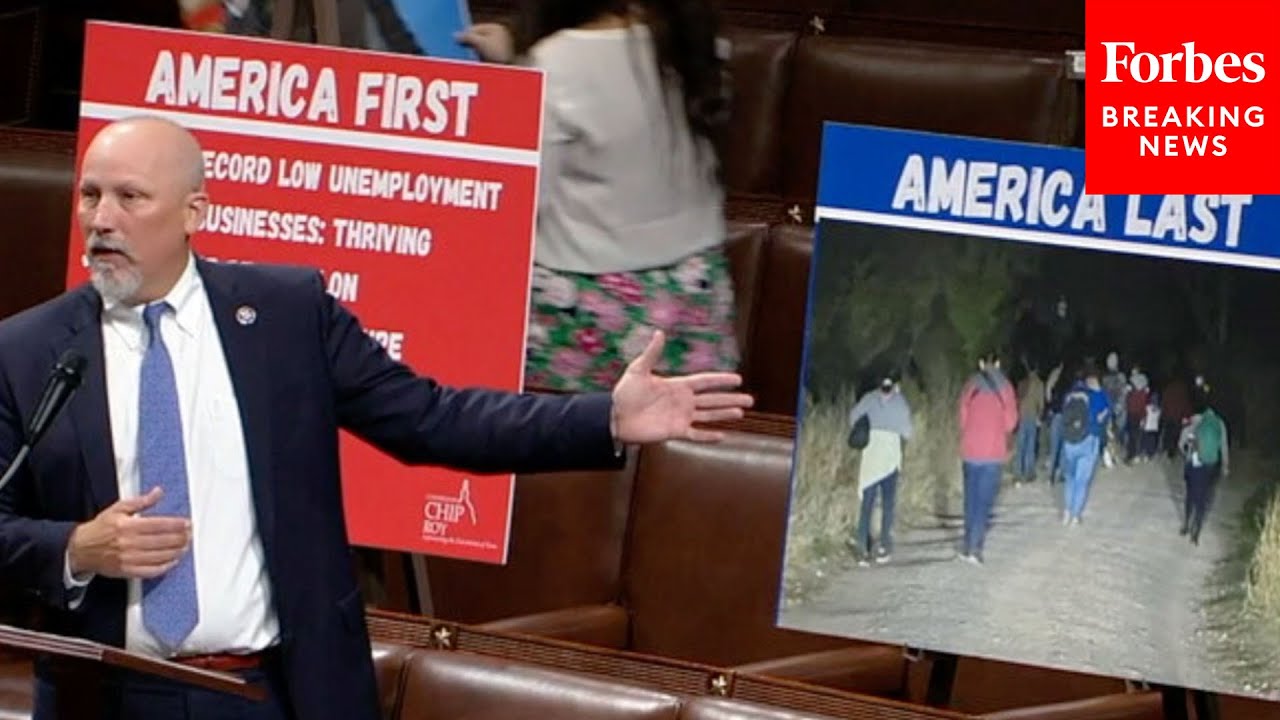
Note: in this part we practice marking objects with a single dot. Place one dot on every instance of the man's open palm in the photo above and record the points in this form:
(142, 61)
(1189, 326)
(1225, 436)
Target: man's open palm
(648, 408)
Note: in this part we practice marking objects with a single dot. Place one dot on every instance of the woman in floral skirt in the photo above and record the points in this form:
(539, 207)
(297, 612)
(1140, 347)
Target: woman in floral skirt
(630, 225)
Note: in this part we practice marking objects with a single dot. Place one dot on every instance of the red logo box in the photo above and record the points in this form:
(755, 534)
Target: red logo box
(1180, 96)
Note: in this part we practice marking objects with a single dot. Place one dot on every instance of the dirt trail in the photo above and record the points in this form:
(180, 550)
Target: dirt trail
(1122, 594)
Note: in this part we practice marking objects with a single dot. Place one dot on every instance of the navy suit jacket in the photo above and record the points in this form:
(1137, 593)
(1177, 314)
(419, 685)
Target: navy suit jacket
(301, 371)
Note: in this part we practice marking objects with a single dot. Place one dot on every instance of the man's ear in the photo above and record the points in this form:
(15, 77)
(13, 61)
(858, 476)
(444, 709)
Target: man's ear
(197, 206)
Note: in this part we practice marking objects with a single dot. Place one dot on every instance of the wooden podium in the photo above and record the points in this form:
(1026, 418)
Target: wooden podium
(83, 665)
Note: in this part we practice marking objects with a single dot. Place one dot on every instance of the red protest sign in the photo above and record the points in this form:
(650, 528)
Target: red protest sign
(409, 183)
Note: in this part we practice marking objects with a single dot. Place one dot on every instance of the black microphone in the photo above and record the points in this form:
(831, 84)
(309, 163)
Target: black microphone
(63, 381)
(58, 389)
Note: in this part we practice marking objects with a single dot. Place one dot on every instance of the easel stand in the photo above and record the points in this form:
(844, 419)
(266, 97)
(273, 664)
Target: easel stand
(1176, 701)
(82, 668)
(942, 679)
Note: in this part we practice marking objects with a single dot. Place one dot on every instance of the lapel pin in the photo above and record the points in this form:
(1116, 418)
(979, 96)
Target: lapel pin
(246, 315)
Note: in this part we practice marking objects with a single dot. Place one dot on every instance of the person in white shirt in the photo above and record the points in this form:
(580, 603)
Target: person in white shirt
(630, 224)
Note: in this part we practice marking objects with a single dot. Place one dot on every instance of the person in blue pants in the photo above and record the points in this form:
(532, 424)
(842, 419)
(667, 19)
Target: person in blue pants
(1085, 412)
(988, 413)
(1031, 402)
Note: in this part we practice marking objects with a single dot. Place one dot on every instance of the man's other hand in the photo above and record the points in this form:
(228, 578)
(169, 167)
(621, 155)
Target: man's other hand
(123, 544)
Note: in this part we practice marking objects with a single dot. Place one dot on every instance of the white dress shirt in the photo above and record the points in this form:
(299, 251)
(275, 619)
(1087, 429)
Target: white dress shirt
(236, 615)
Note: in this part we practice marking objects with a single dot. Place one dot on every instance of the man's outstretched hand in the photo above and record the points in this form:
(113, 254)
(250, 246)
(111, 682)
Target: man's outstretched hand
(648, 408)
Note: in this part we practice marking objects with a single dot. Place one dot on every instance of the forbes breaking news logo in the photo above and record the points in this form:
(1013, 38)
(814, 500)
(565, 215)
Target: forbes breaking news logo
(1188, 66)
(1178, 102)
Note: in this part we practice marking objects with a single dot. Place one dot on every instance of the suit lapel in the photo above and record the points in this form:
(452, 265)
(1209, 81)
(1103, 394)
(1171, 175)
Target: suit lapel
(89, 413)
(235, 310)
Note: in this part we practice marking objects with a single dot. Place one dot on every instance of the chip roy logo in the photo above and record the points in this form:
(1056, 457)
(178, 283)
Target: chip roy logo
(1188, 66)
(441, 512)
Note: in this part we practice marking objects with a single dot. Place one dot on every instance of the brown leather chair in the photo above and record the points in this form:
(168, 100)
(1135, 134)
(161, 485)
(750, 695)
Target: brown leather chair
(702, 570)
(441, 685)
(989, 686)
(704, 564)
(36, 178)
(723, 709)
(567, 533)
(1128, 706)
(16, 690)
(389, 668)
(20, 52)
(760, 67)
(37, 171)
(745, 247)
(1233, 707)
(705, 551)
(777, 330)
(986, 92)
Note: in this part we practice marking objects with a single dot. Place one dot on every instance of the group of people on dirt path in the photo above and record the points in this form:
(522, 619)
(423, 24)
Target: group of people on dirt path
(1093, 417)
(1106, 415)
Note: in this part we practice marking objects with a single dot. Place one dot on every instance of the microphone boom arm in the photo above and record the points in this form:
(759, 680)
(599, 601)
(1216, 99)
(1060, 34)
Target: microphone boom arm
(61, 385)
(12, 470)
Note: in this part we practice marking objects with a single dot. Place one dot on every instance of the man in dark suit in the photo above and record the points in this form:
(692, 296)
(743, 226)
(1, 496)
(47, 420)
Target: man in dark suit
(188, 504)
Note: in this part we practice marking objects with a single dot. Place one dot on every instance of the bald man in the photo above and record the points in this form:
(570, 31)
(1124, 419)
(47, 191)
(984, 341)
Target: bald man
(187, 504)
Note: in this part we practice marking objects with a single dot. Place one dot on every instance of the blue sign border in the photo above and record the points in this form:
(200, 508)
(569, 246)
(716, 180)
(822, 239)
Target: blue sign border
(1030, 193)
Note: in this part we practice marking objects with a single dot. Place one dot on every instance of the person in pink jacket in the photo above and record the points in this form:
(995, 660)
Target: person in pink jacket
(988, 414)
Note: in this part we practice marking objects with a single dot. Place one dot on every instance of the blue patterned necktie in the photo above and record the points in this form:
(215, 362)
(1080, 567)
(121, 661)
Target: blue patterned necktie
(170, 608)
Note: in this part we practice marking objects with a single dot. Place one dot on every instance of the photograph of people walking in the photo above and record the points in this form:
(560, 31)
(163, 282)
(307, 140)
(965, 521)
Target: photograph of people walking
(1071, 451)
(879, 425)
(988, 413)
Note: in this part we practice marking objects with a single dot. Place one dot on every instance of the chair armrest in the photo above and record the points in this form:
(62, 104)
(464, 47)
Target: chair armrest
(867, 669)
(599, 625)
(1125, 706)
(388, 664)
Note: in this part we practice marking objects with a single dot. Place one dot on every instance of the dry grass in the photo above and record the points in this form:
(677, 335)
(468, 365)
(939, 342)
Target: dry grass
(1262, 600)
(931, 473)
(825, 497)
(1245, 624)
(1263, 596)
